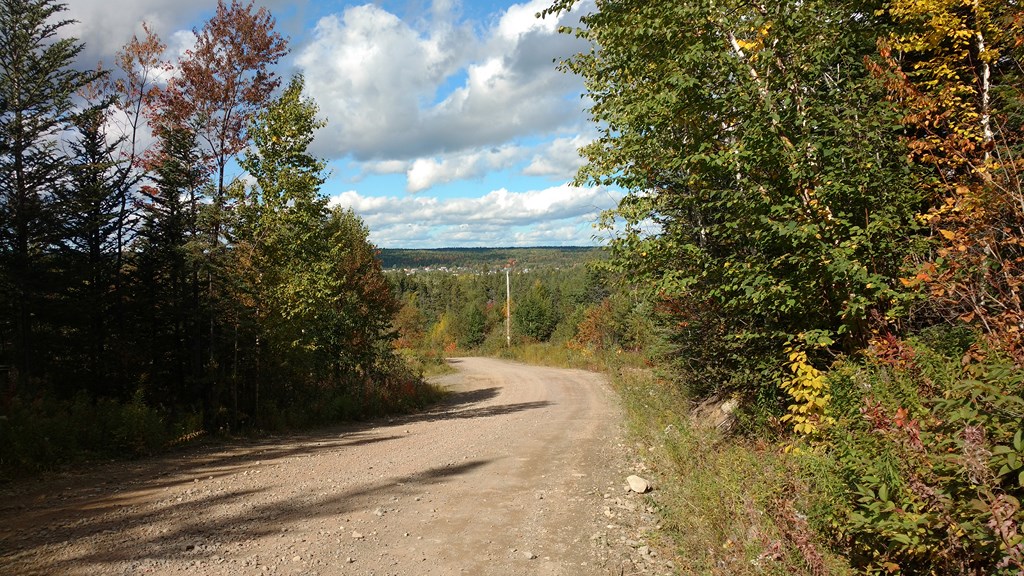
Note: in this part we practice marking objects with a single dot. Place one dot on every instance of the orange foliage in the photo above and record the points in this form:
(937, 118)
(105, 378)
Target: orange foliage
(954, 70)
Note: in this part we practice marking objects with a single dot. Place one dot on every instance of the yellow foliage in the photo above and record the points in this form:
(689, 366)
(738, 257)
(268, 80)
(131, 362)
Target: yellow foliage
(809, 390)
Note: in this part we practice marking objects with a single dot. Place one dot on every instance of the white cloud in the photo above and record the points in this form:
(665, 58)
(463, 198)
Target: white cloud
(521, 19)
(105, 25)
(558, 159)
(557, 215)
(385, 167)
(377, 80)
(180, 42)
(427, 172)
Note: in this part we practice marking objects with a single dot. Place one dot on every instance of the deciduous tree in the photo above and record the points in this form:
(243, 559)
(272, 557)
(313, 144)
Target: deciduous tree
(768, 196)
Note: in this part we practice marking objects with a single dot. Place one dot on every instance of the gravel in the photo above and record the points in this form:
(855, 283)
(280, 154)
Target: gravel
(517, 458)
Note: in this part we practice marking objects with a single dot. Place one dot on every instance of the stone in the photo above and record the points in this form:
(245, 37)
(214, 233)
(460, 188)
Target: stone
(638, 484)
(529, 555)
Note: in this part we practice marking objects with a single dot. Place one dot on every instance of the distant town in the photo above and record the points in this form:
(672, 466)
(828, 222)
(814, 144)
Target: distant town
(484, 260)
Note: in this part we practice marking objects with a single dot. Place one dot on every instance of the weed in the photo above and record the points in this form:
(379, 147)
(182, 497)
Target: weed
(730, 506)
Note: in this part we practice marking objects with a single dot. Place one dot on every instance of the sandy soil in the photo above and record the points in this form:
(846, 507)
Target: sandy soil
(521, 471)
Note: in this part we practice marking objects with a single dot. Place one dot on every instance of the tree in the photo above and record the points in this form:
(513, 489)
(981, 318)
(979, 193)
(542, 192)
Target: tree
(88, 212)
(167, 284)
(361, 306)
(409, 322)
(223, 82)
(534, 314)
(955, 70)
(37, 84)
(472, 325)
(768, 196)
(279, 238)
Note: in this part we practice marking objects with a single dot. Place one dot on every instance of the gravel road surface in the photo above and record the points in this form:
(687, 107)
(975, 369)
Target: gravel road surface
(521, 470)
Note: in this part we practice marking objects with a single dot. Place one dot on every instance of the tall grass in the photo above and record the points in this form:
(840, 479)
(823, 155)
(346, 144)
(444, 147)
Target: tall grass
(729, 505)
(47, 432)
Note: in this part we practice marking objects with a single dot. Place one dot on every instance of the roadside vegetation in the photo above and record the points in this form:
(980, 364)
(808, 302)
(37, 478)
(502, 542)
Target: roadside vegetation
(823, 233)
(825, 208)
(148, 296)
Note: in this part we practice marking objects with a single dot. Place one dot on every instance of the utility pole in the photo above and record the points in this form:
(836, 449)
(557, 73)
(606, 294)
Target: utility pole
(508, 304)
(508, 310)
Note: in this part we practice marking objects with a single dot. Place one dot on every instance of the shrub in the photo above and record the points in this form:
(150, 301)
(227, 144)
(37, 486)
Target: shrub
(930, 450)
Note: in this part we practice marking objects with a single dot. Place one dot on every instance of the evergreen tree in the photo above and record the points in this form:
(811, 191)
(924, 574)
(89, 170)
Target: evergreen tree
(534, 315)
(167, 284)
(36, 88)
(88, 208)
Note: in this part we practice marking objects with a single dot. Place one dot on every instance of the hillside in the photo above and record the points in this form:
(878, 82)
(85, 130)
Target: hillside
(488, 258)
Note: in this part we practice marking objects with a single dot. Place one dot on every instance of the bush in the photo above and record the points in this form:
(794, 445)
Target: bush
(730, 506)
(930, 457)
(48, 432)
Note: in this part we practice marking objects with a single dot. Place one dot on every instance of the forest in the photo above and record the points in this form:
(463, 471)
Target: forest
(148, 292)
(823, 227)
(488, 259)
(825, 213)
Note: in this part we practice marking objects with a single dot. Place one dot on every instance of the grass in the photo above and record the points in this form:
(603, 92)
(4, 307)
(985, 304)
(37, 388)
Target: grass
(729, 505)
(558, 355)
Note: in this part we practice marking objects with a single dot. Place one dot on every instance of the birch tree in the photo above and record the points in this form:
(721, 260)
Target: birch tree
(768, 200)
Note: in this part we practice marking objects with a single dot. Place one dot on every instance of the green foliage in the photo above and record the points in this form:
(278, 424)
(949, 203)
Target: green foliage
(930, 457)
(783, 162)
(767, 195)
(534, 314)
(472, 326)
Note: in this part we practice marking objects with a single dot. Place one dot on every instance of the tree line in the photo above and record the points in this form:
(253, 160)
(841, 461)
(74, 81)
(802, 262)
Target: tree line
(825, 204)
(137, 266)
(582, 309)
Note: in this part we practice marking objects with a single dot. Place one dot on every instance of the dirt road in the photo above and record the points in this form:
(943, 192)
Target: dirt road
(520, 471)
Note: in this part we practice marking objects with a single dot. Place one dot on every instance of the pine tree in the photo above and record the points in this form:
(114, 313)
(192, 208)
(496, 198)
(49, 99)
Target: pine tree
(168, 292)
(87, 209)
(36, 88)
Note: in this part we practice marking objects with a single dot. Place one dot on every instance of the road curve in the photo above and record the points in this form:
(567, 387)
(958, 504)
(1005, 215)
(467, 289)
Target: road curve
(519, 471)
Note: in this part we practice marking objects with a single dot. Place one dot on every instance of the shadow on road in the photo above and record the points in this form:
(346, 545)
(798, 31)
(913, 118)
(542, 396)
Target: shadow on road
(202, 532)
(88, 504)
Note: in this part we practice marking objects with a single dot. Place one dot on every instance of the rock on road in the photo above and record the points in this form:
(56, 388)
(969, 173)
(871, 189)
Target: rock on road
(519, 471)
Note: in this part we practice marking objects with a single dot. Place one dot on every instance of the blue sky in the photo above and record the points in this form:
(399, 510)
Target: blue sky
(448, 122)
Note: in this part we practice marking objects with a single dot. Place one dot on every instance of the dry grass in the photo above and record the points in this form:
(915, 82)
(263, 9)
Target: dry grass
(729, 505)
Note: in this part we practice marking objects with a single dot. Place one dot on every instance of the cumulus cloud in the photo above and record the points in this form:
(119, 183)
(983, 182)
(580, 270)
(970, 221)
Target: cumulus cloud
(427, 172)
(558, 215)
(379, 82)
(559, 159)
(106, 26)
(433, 96)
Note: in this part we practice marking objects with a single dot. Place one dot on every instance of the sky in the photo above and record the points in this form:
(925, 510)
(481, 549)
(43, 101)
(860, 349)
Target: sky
(448, 122)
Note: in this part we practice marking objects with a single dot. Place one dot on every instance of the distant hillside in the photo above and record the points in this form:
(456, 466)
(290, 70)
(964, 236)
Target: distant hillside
(488, 258)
